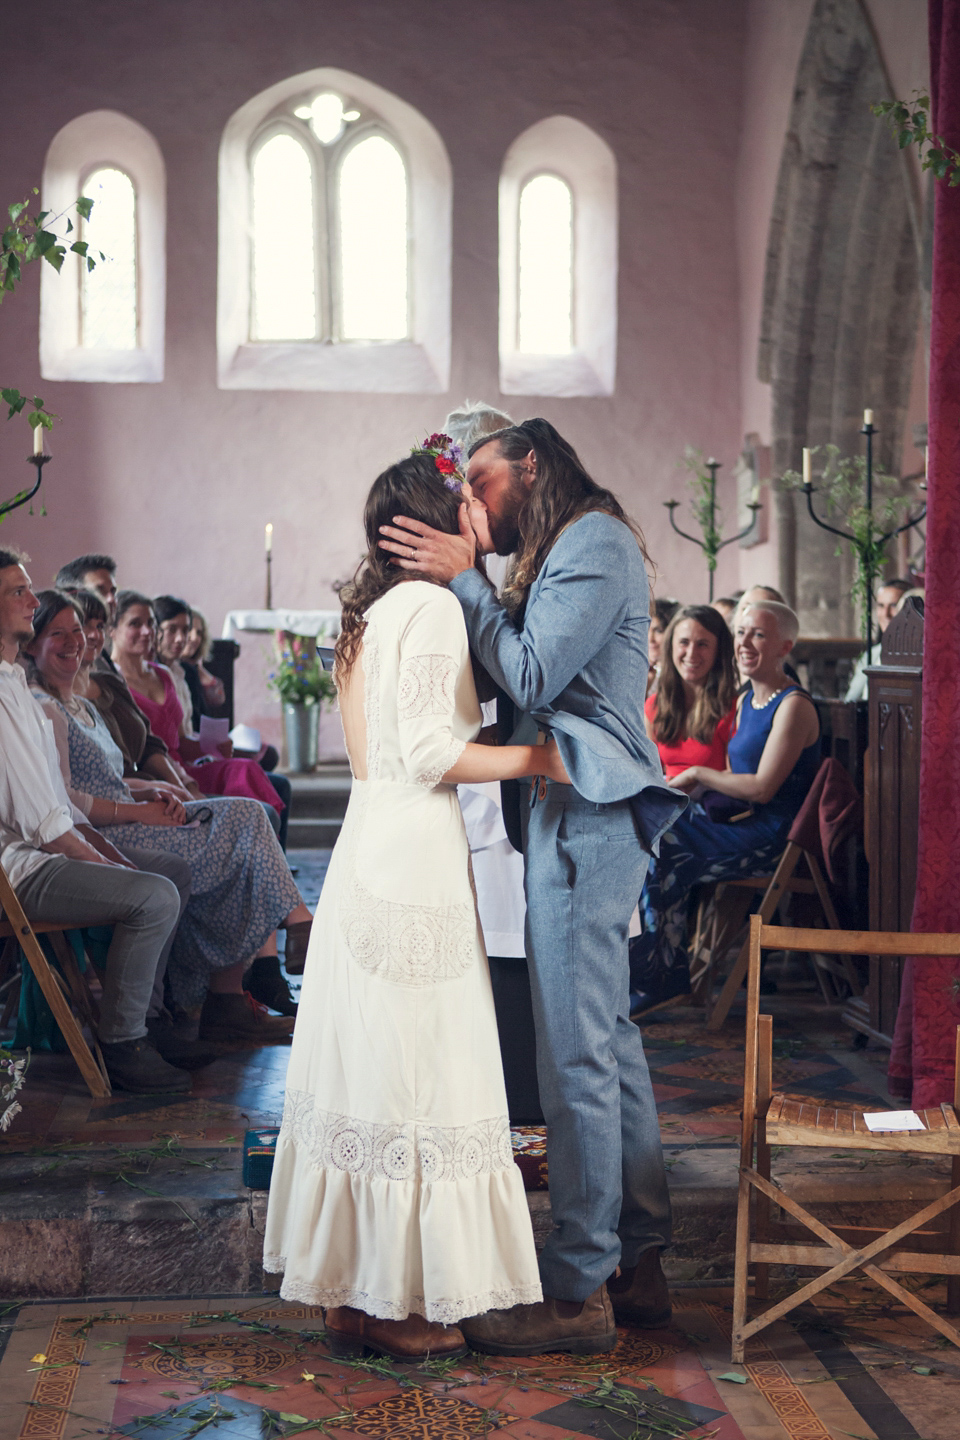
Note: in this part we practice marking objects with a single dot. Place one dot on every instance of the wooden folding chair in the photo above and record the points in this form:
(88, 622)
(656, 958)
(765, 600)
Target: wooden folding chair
(770, 1119)
(60, 990)
(737, 901)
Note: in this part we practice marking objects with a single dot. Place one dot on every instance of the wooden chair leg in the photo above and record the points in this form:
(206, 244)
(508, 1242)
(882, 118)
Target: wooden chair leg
(747, 1138)
(761, 1212)
(735, 907)
(76, 980)
(953, 1281)
(781, 876)
(823, 895)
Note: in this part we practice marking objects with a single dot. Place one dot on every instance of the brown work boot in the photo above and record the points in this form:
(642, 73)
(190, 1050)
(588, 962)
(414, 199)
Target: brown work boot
(238, 1019)
(351, 1333)
(639, 1293)
(534, 1329)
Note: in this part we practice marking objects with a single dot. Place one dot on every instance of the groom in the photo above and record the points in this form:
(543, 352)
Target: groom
(569, 648)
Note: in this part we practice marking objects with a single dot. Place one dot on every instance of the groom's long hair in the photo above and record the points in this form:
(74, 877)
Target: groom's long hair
(414, 488)
(561, 493)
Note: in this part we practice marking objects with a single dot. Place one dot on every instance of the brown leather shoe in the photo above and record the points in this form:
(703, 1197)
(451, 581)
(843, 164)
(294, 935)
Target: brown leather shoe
(238, 1019)
(639, 1293)
(534, 1329)
(350, 1334)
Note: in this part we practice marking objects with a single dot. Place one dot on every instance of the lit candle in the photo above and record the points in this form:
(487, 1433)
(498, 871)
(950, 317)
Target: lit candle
(806, 467)
(38, 440)
(868, 417)
(755, 493)
(268, 537)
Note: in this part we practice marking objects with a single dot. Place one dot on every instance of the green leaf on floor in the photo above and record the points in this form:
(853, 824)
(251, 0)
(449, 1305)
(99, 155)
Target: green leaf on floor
(735, 1377)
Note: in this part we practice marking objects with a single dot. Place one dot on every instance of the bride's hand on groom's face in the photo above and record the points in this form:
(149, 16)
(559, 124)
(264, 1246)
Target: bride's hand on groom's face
(415, 546)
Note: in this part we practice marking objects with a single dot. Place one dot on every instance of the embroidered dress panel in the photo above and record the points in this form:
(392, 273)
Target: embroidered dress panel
(394, 1187)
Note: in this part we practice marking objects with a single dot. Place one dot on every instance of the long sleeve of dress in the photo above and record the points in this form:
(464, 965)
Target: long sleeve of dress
(433, 654)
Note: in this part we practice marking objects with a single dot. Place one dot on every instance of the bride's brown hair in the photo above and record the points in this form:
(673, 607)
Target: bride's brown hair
(415, 488)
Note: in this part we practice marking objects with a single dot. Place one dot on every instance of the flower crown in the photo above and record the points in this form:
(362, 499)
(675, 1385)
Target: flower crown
(447, 456)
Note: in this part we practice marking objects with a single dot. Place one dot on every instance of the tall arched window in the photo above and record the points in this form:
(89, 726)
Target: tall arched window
(108, 293)
(106, 324)
(334, 241)
(545, 267)
(558, 262)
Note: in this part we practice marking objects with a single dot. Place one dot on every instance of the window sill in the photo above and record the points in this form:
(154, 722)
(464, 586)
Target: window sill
(388, 366)
(562, 375)
(105, 367)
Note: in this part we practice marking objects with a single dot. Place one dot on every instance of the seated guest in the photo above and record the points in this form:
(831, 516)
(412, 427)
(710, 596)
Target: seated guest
(726, 605)
(91, 572)
(772, 760)
(174, 619)
(241, 885)
(133, 634)
(64, 873)
(207, 689)
(661, 613)
(692, 714)
(885, 605)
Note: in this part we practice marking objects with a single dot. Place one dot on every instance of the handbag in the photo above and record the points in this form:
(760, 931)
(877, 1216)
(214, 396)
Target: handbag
(725, 809)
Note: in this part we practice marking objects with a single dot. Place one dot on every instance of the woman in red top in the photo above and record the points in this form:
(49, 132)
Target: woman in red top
(693, 712)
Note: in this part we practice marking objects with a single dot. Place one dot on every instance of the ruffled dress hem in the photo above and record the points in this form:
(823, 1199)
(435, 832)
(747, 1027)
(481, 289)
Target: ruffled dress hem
(438, 1312)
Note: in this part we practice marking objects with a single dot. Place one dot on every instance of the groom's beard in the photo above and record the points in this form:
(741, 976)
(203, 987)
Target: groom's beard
(504, 528)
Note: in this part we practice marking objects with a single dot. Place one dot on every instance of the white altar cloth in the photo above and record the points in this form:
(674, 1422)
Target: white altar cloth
(319, 624)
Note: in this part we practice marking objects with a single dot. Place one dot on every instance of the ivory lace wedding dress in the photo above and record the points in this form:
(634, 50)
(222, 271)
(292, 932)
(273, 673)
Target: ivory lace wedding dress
(394, 1188)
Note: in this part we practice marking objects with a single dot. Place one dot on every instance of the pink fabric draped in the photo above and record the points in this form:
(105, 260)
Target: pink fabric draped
(215, 777)
(922, 1061)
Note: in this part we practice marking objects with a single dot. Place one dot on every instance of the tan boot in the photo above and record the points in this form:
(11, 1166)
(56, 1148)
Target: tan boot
(534, 1329)
(350, 1334)
(639, 1293)
(238, 1019)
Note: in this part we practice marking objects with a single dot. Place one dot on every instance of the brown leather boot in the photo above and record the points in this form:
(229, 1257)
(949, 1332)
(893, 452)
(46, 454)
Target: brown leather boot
(639, 1293)
(534, 1329)
(351, 1333)
(238, 1019)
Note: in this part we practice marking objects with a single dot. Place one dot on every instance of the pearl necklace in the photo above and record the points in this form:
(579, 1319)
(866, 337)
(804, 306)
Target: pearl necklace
(768, 701)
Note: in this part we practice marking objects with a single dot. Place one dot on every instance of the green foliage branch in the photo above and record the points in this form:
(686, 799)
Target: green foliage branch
(703, 504)
(842, 480)
(299, 677)
(910, 122)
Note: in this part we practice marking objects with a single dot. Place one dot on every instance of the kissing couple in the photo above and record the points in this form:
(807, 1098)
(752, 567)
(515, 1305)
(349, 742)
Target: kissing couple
(395, 1201)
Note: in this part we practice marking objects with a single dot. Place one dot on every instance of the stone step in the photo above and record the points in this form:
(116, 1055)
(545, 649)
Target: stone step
(317, 806)
(97, 1222)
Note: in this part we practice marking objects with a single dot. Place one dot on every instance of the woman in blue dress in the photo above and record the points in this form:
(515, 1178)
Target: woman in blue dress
(772, 760)
(242, 886)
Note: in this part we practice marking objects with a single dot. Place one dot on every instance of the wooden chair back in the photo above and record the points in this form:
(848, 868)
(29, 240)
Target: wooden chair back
(60, 994)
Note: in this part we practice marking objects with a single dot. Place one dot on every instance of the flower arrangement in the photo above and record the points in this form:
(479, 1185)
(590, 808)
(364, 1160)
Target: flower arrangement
(447, 456)
(15, 1070)
(299, 677)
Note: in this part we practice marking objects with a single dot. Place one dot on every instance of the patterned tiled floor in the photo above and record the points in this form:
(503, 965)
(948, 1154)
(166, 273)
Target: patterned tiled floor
(170, 1370)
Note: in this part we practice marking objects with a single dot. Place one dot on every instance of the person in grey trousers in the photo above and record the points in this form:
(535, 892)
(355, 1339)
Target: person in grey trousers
(64, 873)
(567, 647)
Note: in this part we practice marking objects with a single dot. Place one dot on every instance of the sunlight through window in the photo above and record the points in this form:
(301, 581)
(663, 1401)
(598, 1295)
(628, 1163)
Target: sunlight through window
(108, 293)
(545, 308)
(373, 242)
(284, 269)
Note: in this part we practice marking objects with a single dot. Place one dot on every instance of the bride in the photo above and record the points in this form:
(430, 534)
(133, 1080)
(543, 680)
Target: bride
(395, 1201)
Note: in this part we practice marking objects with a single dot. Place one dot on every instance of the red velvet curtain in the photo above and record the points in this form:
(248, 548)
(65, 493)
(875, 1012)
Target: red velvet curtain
(923, 1056)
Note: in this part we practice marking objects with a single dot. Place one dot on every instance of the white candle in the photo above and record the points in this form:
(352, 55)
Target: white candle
(38, 440)
(868, 417)
(268, 537)
(806, 467)
(755, 493)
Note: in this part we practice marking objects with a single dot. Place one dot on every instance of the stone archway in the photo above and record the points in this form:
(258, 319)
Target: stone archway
(841, 291)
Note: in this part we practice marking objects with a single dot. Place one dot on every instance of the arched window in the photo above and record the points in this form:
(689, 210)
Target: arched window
(106, 324)
(558, 262)
(108, 293)
(334, 241)
(545, 267)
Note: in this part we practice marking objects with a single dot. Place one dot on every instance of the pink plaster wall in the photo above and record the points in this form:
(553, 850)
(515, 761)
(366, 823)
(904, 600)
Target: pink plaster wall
(177, 479)
(774, 38)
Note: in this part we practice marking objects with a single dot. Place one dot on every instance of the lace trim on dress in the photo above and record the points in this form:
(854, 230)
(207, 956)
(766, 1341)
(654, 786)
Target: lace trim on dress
(370, 659)
(439, 1312)
(396, 1150)
(404, 944)
(432, 777)
(427, 686)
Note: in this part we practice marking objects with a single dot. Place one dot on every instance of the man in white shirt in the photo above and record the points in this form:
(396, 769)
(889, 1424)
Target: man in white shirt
(64, 872)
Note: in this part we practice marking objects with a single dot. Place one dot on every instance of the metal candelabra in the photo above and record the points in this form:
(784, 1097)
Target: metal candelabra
(874, 540)
(711, 544)
(14, 503)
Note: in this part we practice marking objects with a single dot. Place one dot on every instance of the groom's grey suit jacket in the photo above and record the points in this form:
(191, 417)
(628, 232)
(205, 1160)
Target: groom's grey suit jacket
(577, 666)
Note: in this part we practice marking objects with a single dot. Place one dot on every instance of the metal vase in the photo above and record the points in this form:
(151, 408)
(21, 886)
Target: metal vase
(301, 723)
